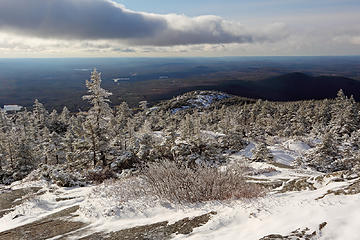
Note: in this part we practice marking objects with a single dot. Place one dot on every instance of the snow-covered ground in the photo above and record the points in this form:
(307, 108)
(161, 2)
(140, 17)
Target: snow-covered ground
(284, 213)
(113, 206)
(200, 99)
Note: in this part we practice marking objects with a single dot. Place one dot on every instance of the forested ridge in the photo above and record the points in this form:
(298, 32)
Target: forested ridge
(201, 126)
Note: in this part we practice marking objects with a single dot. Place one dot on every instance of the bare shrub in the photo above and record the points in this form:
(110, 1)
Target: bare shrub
(100, 176)
(178, 183)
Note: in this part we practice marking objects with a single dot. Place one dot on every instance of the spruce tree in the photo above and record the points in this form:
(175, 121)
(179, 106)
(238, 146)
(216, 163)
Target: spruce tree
(98, 118)
(325, 155)
(261, 153)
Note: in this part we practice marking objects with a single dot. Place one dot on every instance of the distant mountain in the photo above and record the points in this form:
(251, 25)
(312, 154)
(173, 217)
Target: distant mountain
(59, 82)
(294, 86)
(299, 86)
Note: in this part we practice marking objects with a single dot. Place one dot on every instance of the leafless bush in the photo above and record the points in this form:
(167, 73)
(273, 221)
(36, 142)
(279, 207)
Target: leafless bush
(100, 176)
(178, 183)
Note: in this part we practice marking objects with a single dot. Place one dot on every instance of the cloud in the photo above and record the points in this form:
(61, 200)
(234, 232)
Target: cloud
(107, 20)
(124, 50)
(355, 40)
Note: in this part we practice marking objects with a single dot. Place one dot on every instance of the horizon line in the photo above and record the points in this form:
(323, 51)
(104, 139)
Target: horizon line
(179, 57)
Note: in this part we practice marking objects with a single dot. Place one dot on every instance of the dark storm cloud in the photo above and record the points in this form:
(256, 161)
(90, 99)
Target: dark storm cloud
(104, 19)
(76, 19)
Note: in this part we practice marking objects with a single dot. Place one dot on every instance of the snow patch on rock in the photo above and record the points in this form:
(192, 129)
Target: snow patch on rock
(297, 146)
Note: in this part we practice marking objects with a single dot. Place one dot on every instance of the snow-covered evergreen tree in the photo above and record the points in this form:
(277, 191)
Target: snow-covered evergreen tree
(40, 114)
(65, 115)
(325, 155)
(261, 153)
(345, 116)
(98, 119)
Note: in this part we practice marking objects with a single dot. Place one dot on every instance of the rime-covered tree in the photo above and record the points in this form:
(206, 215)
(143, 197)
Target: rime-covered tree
(46, 146)
(119, 126)
(98, 118)
(4, 128)
(30, 138)
(40, 114)
(261, 153)
(145, 141)
(325, 155)
(345, 116)
(65, 115)
(75, 147)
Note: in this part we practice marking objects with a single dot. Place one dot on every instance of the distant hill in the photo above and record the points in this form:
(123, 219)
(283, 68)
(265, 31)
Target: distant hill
(293, 86)
(59, 82)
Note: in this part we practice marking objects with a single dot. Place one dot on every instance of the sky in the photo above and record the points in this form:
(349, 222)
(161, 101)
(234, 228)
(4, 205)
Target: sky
(172, 28)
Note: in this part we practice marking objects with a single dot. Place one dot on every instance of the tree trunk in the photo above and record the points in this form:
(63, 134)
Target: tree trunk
(93, 141)
(94, 158)
(103, 159)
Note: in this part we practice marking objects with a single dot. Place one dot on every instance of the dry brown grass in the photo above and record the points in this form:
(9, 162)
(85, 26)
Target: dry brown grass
(178, 183)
